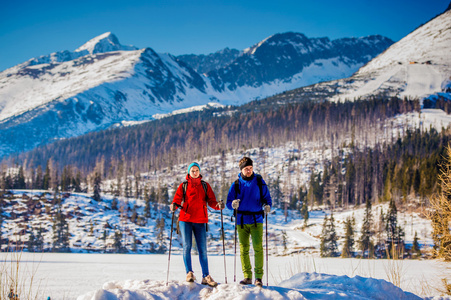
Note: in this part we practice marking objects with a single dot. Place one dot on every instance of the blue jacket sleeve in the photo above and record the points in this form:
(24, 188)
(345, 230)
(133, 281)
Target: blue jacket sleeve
(231, 196)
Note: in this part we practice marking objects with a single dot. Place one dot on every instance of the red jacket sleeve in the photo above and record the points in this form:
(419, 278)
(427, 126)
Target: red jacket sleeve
(211, 198)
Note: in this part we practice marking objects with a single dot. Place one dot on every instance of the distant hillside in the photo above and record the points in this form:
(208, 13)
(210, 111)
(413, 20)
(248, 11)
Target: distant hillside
(180, 138)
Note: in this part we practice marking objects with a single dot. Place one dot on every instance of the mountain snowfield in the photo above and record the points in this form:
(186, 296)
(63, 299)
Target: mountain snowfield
(102, 83)
(417, 66)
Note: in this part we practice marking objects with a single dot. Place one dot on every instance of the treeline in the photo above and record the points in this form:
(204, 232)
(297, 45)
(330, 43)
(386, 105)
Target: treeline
(381, 236)
(39, 222)
(404, 174)
(181, 138)
(405, 170)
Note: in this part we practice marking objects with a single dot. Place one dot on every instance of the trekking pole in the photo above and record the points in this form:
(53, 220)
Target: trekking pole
(234, 263)
(170, 245)
(223, 246)
(266, 229)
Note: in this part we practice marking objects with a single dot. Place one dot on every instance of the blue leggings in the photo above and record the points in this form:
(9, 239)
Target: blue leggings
(200, 234)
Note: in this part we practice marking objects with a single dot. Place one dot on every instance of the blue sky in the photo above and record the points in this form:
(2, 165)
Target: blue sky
(30, 28)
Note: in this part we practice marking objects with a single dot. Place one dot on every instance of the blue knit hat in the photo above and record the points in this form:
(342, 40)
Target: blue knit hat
(192, 165)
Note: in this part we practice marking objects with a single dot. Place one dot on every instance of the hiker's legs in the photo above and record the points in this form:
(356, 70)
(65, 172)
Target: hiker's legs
(257, 244)
(243, 236)
(186, 230)
(200, 234)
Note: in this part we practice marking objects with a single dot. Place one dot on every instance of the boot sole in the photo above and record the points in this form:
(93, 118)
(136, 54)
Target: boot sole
(210, 284)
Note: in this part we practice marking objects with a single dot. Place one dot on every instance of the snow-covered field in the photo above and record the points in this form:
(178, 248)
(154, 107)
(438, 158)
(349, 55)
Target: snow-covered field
(122, 276)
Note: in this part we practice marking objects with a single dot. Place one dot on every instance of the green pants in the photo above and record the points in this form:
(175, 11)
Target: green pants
(256, 233)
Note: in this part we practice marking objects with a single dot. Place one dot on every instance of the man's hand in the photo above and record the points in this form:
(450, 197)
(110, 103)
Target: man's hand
(172, 207)
(267, 209)
(235, 203)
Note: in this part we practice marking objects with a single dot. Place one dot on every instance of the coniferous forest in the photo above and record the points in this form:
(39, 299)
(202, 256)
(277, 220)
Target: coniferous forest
(373, 159)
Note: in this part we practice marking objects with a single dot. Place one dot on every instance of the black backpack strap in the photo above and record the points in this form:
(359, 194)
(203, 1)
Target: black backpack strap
(205, 186)
(184, 187)
(260, 186)
(237, 188)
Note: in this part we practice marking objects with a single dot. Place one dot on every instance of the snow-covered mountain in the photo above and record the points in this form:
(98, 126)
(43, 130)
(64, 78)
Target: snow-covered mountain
(214, 61)
(296, 59)
(417, 66)
(103, 83)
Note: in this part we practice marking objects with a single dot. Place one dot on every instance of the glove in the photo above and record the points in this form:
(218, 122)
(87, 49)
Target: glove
(267, 209)
(221, 204)
(235, 203)
(172, 207)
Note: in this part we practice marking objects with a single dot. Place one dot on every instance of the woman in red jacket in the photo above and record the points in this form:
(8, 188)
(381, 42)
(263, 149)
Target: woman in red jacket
(194, 218)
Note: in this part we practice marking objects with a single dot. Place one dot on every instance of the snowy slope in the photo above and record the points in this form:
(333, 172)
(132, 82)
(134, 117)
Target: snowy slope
(417, 66)
(301, 286)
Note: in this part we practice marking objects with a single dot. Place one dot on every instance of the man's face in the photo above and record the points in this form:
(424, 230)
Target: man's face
(247, 171)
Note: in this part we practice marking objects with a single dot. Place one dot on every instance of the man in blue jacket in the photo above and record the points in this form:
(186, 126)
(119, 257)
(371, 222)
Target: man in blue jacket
(249, 196)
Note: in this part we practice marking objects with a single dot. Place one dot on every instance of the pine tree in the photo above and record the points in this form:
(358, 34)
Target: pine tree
(31, 244)
(60, 232)
(164, 195)
(305, 213)
(379, 235)
(395, 234)
(38, 182)
(441, 211)
(39, 242)
(47, 179)
(97, 182)
(328, 245)
(117, 244)
(415, 251)
(104, 238)
(160, 235)
(348, 244)
(366, 245)
(114, 204)
(19, 182)
(76, 182)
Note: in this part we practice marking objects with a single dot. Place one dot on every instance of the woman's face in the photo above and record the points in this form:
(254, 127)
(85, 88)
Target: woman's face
(194, 172)
(247, 171)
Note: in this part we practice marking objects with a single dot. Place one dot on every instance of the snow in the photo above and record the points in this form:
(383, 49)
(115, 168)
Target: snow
(415, 67)
(127, 276)
(320, 70)
(419, 81)
(187, 110)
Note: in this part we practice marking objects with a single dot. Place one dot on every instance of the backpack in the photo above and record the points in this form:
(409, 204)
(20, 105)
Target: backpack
(184, 188)
(237, 192)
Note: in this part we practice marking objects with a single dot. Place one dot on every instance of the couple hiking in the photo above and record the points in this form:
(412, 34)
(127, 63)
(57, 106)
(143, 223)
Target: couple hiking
(248, 197)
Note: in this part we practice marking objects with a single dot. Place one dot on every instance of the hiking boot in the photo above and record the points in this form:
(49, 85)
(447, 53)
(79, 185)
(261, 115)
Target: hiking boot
(190, 277)
(246, 281)
(258, 282)
(207, 280)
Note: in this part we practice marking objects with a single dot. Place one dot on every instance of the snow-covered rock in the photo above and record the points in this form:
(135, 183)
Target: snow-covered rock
(303, 286)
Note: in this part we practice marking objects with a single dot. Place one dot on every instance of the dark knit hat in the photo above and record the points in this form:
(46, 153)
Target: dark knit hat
(244, 162)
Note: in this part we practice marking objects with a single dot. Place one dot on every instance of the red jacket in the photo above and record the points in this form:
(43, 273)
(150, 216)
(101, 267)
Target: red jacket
(194, 209)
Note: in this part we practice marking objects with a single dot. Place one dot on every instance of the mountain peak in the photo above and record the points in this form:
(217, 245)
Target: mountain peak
(106, 42)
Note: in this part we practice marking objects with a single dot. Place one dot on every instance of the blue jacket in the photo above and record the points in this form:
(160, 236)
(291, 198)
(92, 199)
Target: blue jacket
(249, 199)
